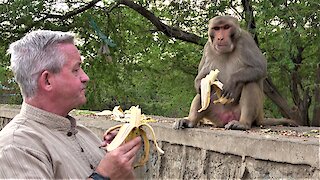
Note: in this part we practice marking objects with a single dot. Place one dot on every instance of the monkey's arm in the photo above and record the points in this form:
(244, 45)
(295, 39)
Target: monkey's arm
(252, 68)
(233, 87)
(254, 64)
(203, 69)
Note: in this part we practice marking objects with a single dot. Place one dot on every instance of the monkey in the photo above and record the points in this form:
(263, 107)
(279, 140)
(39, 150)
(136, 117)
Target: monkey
(243, 68)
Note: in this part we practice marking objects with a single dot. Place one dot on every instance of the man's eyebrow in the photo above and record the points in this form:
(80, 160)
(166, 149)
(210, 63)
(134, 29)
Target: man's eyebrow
(78, 64)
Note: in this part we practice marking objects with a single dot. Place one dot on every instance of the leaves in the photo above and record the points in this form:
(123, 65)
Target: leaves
(149, 68)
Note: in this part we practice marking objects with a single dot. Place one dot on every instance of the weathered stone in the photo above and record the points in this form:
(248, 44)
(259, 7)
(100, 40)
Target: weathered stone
(205, 153)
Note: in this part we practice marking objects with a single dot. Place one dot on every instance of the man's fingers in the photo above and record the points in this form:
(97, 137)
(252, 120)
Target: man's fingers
(132, 153)
(107, 138)
(104, 144)
(110, 136)
(130, 148)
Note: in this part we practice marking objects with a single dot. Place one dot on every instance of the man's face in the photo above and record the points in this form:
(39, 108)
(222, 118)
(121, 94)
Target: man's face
(70, 82)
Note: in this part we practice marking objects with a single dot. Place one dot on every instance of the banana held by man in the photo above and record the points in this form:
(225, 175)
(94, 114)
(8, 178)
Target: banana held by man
(130, 130)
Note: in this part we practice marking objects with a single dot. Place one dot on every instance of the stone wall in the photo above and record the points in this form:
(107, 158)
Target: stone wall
(207, 153)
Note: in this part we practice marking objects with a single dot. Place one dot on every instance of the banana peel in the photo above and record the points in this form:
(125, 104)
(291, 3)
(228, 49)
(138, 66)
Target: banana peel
(206, 83)
(117, 112)
(130, 130)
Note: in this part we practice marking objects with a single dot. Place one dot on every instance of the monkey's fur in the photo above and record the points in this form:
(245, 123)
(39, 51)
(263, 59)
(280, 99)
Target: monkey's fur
(242, 68)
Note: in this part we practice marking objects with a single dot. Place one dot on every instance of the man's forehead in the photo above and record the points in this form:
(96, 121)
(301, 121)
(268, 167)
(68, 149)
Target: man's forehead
(69, 49)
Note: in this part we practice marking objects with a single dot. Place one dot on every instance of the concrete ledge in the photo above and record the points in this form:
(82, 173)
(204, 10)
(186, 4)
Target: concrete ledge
(205, 153)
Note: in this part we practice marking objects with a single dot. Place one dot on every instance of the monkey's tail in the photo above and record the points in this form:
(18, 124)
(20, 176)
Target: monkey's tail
(274, 122)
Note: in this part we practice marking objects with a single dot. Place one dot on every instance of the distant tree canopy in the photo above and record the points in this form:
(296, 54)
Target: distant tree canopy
(146, 52)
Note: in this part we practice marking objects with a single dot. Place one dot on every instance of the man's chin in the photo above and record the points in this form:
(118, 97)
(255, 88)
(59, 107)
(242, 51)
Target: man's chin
(84, 101)
(81, 102)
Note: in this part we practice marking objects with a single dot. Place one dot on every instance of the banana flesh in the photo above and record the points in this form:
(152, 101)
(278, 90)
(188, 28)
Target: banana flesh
(206, 83)
(130, 130)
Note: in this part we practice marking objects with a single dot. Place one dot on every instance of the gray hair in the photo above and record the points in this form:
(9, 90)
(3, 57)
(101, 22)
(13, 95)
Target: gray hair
(35, 52)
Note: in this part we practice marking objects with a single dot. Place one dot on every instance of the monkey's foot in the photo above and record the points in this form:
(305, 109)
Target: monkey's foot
(182, 123)
(236, 125)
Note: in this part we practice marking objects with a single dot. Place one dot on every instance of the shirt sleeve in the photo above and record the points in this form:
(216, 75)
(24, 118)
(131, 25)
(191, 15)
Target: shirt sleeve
(24, 163)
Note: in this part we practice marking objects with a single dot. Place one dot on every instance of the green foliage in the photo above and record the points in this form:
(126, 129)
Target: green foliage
(143, 68)
(282, 31)
(156, 72)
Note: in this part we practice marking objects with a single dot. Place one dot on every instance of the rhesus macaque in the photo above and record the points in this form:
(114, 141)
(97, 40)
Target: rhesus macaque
(243, 68)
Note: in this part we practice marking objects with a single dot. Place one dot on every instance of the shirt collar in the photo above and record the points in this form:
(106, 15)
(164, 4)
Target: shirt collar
(50, 120)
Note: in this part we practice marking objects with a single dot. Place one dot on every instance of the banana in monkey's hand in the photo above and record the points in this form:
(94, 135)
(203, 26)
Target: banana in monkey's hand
(206, 83)
(130, 130)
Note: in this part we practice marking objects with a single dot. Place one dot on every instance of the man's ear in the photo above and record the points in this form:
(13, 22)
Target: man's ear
(44, 80)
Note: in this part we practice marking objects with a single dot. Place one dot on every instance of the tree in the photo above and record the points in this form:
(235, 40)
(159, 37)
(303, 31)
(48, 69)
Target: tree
(293, 25)
(159, 44)
(302, 102)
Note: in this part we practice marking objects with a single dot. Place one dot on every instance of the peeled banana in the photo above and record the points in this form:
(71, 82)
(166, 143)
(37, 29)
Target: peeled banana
(130, 130)
(206, 83)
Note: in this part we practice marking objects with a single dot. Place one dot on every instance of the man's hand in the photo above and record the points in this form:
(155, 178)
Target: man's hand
(118, 164)
(108, 138)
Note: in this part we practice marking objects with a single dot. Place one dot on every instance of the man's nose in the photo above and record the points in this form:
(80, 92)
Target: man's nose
(84, 77)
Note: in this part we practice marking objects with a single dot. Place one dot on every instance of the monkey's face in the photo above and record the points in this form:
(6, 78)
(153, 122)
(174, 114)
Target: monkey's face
(222, 35)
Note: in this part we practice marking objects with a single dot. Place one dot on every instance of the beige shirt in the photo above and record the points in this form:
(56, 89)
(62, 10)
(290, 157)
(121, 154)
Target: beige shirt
(38, 144)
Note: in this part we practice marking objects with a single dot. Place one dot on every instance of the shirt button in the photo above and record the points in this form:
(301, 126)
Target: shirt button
(69, 134)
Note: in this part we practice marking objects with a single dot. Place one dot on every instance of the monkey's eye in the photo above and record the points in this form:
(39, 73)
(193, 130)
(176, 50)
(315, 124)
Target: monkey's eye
(216, 28)
(226, 26)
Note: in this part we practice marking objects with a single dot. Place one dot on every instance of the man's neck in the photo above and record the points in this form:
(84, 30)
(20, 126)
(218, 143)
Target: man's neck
(47, 105)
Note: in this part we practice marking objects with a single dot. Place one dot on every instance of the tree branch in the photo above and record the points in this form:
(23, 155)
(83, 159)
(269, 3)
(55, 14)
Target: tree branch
(251, 23)
(271, 91)
(74, 12)
(167, 30)
(63, 17)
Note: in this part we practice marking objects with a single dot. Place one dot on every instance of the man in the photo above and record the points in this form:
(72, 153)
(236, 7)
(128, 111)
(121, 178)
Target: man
(43, 141)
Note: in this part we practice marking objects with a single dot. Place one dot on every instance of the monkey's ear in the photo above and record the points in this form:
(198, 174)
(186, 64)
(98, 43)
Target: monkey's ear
(237, 33)
(44, 80)
(211, 35)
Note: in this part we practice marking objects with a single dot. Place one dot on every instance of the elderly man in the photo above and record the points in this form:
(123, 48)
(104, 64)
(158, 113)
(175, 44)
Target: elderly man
(43, 141)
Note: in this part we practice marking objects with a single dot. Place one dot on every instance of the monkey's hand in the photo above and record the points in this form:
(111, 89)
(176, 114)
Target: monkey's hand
(236, 125)
(232, 90)
(183, 123)
(229, 90)
(197, 85)
(206, 84)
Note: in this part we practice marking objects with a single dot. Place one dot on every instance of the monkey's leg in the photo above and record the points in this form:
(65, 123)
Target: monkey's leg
(251, 107)
(194, 115)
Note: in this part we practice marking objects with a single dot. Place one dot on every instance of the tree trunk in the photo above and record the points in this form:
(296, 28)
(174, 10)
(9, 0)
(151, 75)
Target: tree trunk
(271, 91)
(251, 23)
(302, 103)
(316, 109)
